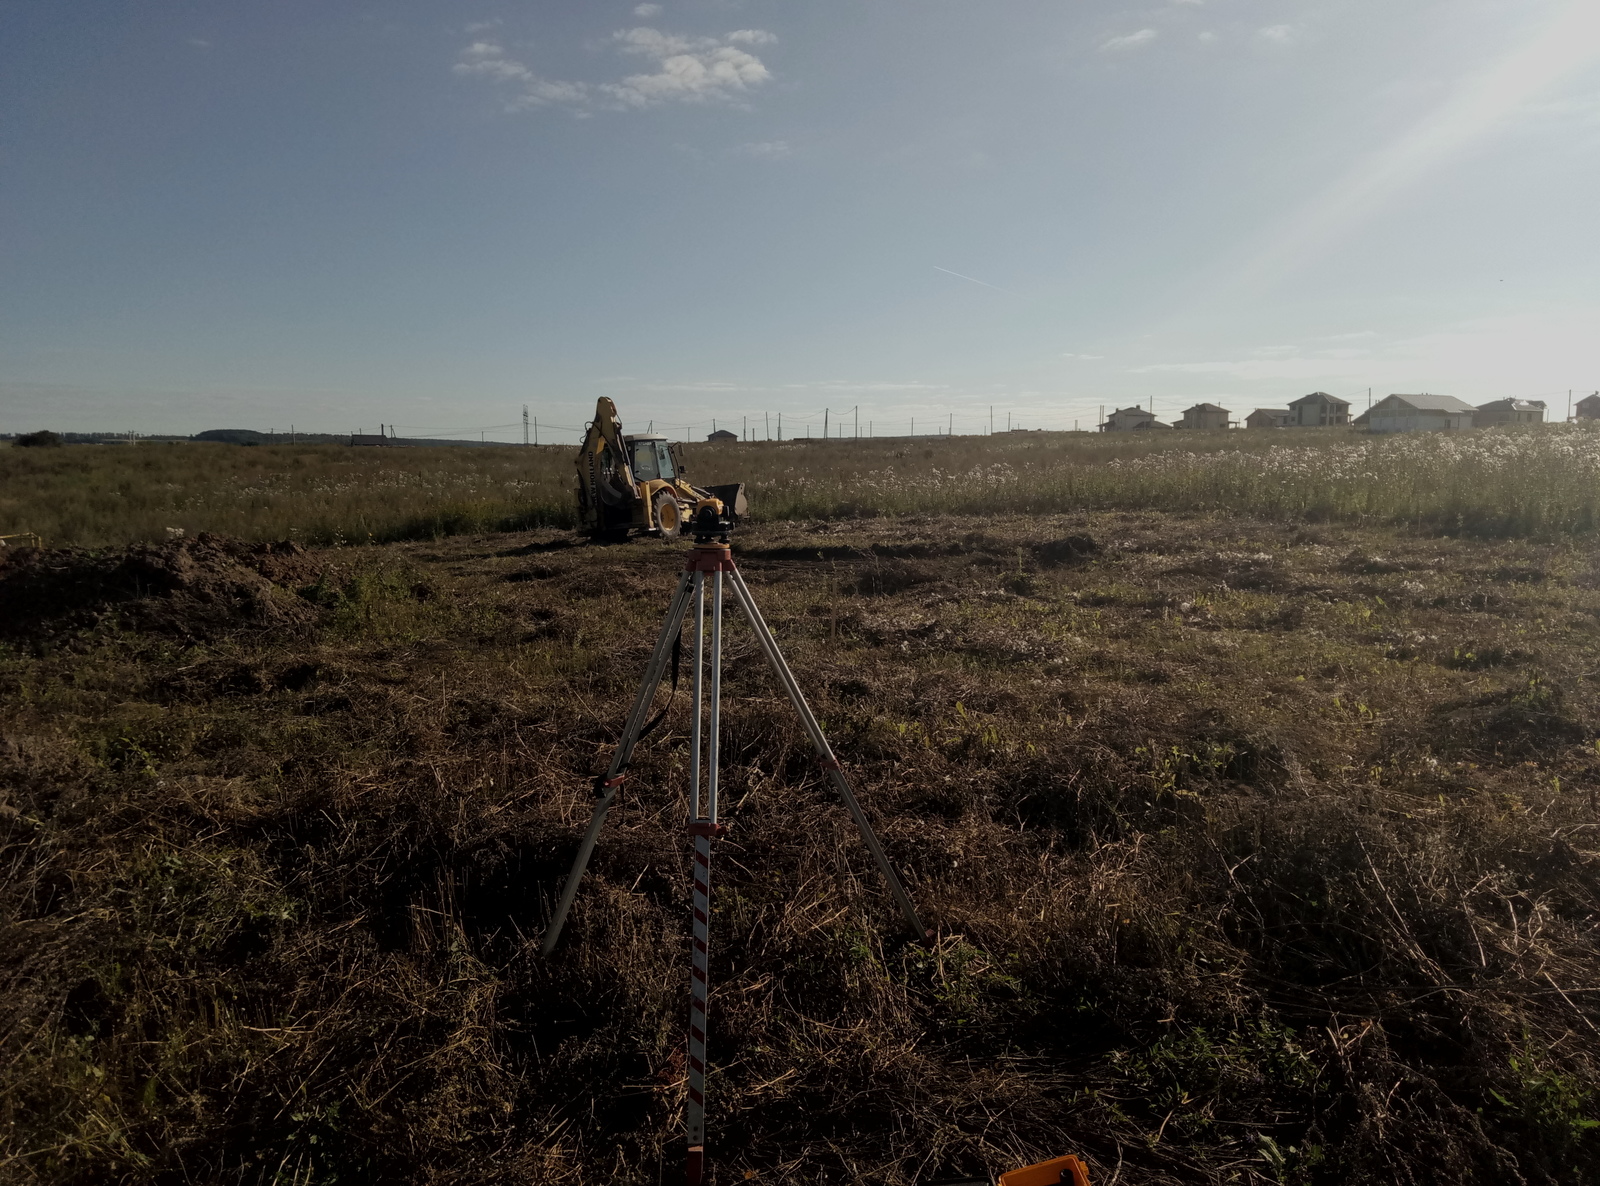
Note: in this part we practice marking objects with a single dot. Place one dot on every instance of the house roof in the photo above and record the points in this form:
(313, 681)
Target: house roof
(1425, 402)
(1514, 405)
(1134, 412)
(1320, 397)
(1206, 408)
(1589, 399)
(1271, 411)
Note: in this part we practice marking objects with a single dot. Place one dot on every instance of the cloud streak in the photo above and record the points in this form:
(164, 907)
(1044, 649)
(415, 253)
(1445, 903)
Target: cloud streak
(959, 276)
(682, 70)
(1128, 41)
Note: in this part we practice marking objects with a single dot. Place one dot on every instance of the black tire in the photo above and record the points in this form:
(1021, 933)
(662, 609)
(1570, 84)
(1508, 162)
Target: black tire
(667, 514)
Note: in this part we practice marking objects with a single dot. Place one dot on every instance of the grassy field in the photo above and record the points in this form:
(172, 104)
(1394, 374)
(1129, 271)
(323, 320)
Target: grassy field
(1540, 483)
(1258, 852)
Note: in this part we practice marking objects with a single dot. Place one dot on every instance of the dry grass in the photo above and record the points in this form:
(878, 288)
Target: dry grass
(1542, 483)
(1257, 854)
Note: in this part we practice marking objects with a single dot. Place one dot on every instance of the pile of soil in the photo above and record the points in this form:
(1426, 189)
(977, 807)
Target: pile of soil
(188, 588)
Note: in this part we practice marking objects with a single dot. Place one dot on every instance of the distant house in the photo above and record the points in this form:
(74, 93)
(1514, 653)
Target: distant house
(1587, 408)
(367, 438)
(1319, 410)
(1268, 418)
(1131, 420)
(1204, 416)
(722, 434)
(1509, 411)
(1418, 413)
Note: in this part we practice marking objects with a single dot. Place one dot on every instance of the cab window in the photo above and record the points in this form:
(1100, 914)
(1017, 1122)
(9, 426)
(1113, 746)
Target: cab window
(645, 468)
(664, 460)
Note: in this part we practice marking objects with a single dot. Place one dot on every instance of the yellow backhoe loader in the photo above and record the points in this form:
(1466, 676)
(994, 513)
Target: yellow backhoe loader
(636, 483)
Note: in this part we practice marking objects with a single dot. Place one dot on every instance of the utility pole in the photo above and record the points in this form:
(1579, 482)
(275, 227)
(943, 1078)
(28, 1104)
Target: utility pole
(745, 436)
(858, 422)
(780, 426)
(913, 426)
(768, 415)
(824, 425)
(1369, 399)
(1008, 421)
(291, 434)
(991, 419)
(536, 431)
(524, 426)
(1569, 403)
(950, 426)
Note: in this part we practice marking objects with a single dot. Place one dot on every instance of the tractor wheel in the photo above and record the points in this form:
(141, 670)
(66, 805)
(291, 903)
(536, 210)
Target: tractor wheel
(668, 514)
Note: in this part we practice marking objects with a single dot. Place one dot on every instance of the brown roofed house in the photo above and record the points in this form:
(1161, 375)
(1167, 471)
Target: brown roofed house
(1268, 418)
(1204, 416)
(1319, 410)
(1135, 419)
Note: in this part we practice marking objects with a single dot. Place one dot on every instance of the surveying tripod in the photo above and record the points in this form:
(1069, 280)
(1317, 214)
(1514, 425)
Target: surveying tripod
(711, 555)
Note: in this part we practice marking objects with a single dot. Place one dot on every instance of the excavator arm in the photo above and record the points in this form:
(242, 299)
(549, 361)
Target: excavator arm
(606, 488)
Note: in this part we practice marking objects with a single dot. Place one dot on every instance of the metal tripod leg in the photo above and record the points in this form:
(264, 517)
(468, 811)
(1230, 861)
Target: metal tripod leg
(619, 761)
(704, 828)
(824, 751)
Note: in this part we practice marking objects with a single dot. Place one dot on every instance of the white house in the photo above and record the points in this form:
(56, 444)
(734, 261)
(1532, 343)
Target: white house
(1418, 413)
(1509, 411)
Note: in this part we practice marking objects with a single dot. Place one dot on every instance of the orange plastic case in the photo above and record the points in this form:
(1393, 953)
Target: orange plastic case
(1059, 1171)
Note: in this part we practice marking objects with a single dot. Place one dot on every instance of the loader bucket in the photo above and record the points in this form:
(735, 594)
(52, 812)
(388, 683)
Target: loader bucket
(731, 496)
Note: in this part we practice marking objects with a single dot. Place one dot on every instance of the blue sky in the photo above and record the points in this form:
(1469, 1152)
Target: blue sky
(335, 215)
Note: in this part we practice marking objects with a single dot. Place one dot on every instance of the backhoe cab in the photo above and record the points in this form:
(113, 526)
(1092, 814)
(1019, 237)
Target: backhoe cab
(637, 483)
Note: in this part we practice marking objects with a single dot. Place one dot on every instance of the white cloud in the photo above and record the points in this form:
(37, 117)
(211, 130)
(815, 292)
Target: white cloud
(488, 60)
(1128, 41)
(771, 150)
(482, 26)
(1277, 34)
(199, 42)
(1207, 37)
(1085, 357)
(686, 70)
(647, 10)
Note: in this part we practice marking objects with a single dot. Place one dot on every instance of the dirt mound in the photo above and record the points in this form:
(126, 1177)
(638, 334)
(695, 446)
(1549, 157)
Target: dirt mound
(190, 588)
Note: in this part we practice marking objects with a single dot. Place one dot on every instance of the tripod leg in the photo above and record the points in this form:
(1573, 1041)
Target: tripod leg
(830, 763)
(619, 761)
